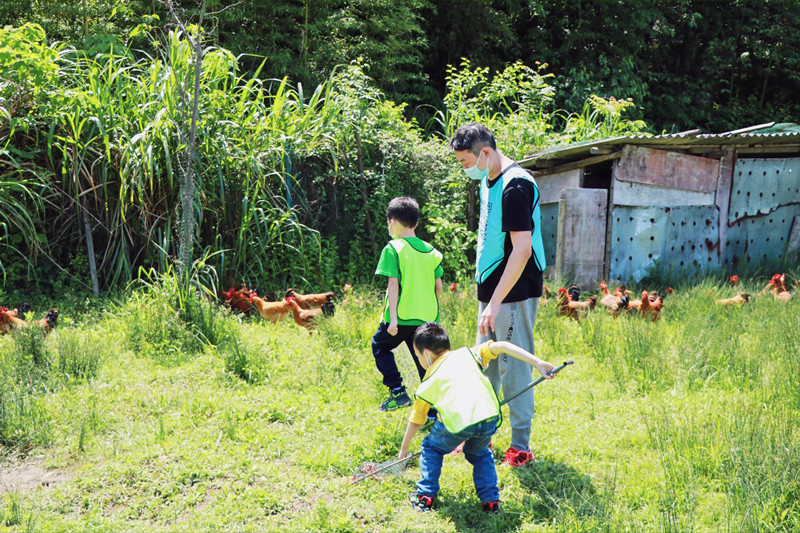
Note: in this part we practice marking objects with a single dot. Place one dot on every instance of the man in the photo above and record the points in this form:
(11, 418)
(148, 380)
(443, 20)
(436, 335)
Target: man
(509, 267)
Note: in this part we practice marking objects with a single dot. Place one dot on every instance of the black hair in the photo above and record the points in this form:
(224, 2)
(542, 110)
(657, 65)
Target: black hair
(473, 137)
(432, 336)
(404, 210)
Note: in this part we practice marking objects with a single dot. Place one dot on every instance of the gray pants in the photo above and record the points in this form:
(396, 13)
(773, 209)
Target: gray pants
(514, 323)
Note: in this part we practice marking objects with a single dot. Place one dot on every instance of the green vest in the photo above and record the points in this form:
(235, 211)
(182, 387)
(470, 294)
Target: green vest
(460, 391)
(417, 299)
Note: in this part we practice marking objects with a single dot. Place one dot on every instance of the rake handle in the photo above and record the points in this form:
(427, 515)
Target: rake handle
(532, 384)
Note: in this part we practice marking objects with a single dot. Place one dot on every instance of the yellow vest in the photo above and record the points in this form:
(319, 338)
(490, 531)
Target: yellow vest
(417, 299)
(460, 392)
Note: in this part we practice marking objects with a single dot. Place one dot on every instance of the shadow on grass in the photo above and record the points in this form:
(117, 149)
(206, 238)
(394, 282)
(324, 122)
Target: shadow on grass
(555, 489)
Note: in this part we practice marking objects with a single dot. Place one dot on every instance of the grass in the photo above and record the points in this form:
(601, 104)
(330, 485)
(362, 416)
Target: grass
(688, 424)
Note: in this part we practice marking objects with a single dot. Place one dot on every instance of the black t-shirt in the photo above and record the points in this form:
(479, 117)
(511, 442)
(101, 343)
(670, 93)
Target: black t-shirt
(518, 199)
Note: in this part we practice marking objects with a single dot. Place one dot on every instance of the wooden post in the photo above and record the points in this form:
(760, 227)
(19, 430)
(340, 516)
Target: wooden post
(723, 197)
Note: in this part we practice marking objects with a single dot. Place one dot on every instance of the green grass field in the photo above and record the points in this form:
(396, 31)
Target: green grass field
(122, 420)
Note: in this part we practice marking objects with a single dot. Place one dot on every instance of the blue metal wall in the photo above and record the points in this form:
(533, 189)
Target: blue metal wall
(765, 198)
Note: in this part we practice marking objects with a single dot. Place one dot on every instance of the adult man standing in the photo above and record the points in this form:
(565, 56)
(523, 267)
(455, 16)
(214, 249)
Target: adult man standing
(509, 267)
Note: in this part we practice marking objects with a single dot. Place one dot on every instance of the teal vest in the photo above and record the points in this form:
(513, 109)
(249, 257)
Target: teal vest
(460, 391)
(417, 299)
(491, 238)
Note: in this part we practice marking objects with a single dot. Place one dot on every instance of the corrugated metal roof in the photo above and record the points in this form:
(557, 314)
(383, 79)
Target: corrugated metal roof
(770, 134)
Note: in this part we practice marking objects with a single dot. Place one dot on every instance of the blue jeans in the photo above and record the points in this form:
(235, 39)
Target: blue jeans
(476, 439)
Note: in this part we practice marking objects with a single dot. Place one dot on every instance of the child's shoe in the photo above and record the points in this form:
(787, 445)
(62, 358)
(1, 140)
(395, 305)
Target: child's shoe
(517, 458)
(397, 398)
(420, 502)
(491, 507)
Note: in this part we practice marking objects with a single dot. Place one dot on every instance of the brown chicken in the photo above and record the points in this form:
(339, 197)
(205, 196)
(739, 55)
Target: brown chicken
(772, 286)
(651, 306)
(8, 321)
(616, 302)
(349, 299)
(780, 292)
(49, 322)
(734, 281)
(307, 318)
(741, 298)
(239, 300)
(273, 311)
(569, 304)
(309, 301)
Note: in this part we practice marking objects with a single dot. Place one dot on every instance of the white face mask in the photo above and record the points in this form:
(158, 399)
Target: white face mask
(474, 173)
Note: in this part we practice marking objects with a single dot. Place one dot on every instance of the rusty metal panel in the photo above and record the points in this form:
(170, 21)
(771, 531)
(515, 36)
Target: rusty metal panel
(760, 186)
(550, 231)
(664, 239)
(667, 169)
(551, 185)
(628, 193)
(752, 240)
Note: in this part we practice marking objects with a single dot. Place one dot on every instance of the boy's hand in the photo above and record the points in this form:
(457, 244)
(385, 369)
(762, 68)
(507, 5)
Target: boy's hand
(545, 368)
(403, 453)
(392, 329)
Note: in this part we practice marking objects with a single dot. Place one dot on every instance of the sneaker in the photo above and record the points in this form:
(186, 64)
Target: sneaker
(491, 507)
(517, 458)
(397, 399)
(420, 502)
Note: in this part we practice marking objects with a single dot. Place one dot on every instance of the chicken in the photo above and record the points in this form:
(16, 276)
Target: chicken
(273, 311)
(772, 285)
(734, 281)
(741, 298)
(309, 301)
(454, 287)
(545, 297)
(570, 305)
(49, 322)
(307, 318)
(239, 300)
(8, 321)
(349, 299)
(780, 292)
(651, 306)
(615, 303)
(20, 310)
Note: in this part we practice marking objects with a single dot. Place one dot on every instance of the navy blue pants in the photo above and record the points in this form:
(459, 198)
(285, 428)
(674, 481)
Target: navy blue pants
(382, 346)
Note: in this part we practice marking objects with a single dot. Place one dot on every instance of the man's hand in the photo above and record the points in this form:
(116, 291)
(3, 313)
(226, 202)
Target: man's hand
(487, 318)
(392, 329)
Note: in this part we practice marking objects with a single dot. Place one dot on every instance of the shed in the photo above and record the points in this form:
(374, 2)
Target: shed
(680, 204)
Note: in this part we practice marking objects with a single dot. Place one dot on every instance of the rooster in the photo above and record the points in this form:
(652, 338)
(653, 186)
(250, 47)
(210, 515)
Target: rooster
(616, 302)
(239, 300)
(651, 306)
(309, 301)
(734, 281)
(307, 318)
(49, 322)
(569, 304)
(20, 310)
(741, 298)
(8, 321)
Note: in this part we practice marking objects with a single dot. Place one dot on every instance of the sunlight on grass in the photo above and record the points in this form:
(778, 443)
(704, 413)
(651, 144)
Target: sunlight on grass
(682, 425)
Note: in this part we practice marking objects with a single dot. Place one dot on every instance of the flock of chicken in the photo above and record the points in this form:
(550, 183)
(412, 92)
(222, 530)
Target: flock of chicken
(11, 319)
(569, 304)
(649, 307)
(306, 309)
(776, 286)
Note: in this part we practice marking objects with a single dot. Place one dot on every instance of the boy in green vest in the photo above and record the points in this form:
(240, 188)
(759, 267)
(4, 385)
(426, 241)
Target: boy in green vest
(469, 411)
(414, 270)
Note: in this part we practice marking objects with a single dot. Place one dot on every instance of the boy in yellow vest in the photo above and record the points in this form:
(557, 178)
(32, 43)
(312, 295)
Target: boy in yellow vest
(414, 270)
(469, 411)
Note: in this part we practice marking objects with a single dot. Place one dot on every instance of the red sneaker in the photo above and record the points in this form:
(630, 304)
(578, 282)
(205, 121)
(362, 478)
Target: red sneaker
(517, 458)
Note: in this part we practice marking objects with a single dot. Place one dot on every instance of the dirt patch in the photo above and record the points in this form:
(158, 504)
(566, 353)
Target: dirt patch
(28, 475)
